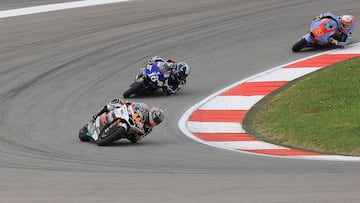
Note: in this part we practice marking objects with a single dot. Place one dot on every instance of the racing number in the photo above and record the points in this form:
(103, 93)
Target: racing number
(154, 76)
(318, 31)
(136, 118)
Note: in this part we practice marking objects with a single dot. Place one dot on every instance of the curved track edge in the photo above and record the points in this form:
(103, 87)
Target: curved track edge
(216, 120)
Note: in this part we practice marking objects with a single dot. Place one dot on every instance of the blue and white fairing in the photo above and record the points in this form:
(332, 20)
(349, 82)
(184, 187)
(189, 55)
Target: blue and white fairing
(156, 76)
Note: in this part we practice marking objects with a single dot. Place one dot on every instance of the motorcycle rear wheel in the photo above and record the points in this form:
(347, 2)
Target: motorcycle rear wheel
(135, 88)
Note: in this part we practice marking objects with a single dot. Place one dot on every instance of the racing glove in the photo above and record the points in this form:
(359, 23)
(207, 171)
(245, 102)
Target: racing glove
(93, 117)
(333, 41)
(319, 17)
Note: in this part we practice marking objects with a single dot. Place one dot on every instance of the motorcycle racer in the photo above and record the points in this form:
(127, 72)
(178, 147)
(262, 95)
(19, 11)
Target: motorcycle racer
(145, 118)
(176, 73)
(344, 29)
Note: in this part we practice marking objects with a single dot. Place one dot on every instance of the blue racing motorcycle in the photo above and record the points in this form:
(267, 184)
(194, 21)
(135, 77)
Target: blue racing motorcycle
(148, 80)
(319, 35)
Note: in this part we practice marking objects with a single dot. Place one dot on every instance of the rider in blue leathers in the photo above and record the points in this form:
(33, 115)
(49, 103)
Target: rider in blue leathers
(176, 74)
(344, 29)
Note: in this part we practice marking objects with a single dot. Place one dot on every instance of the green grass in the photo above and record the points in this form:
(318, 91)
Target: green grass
(318, 112)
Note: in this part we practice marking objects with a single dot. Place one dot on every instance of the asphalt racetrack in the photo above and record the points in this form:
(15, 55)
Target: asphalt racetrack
(58, 68)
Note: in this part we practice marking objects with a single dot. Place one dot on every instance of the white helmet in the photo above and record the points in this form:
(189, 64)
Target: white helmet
(346, 22)
(156, 116)
(183, 70)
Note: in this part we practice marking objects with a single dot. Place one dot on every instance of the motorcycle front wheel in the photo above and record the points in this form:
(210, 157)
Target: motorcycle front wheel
(82, 134)
(105, 139)
(299, 45)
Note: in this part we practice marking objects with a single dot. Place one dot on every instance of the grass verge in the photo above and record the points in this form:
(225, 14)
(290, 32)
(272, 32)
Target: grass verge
(317, 112)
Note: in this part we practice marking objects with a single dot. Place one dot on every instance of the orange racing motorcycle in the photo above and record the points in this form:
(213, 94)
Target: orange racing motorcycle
(112, 126)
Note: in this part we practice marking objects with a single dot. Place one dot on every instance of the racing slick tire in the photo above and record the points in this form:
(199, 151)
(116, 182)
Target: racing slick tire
(299, 45)
(82, 134)
(105, 139)
(135, 88)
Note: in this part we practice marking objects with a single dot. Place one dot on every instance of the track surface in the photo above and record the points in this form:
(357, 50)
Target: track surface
(58, 68)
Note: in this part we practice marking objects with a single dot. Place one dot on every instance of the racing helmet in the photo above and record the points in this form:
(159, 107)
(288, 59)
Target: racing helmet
(156, 116)
(183, 70)
(346, 22)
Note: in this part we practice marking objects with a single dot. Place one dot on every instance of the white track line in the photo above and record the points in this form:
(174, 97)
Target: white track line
(55, 7)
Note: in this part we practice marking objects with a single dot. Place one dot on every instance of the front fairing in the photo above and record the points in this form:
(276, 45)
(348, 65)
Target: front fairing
(91, 132)
(321, 31)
